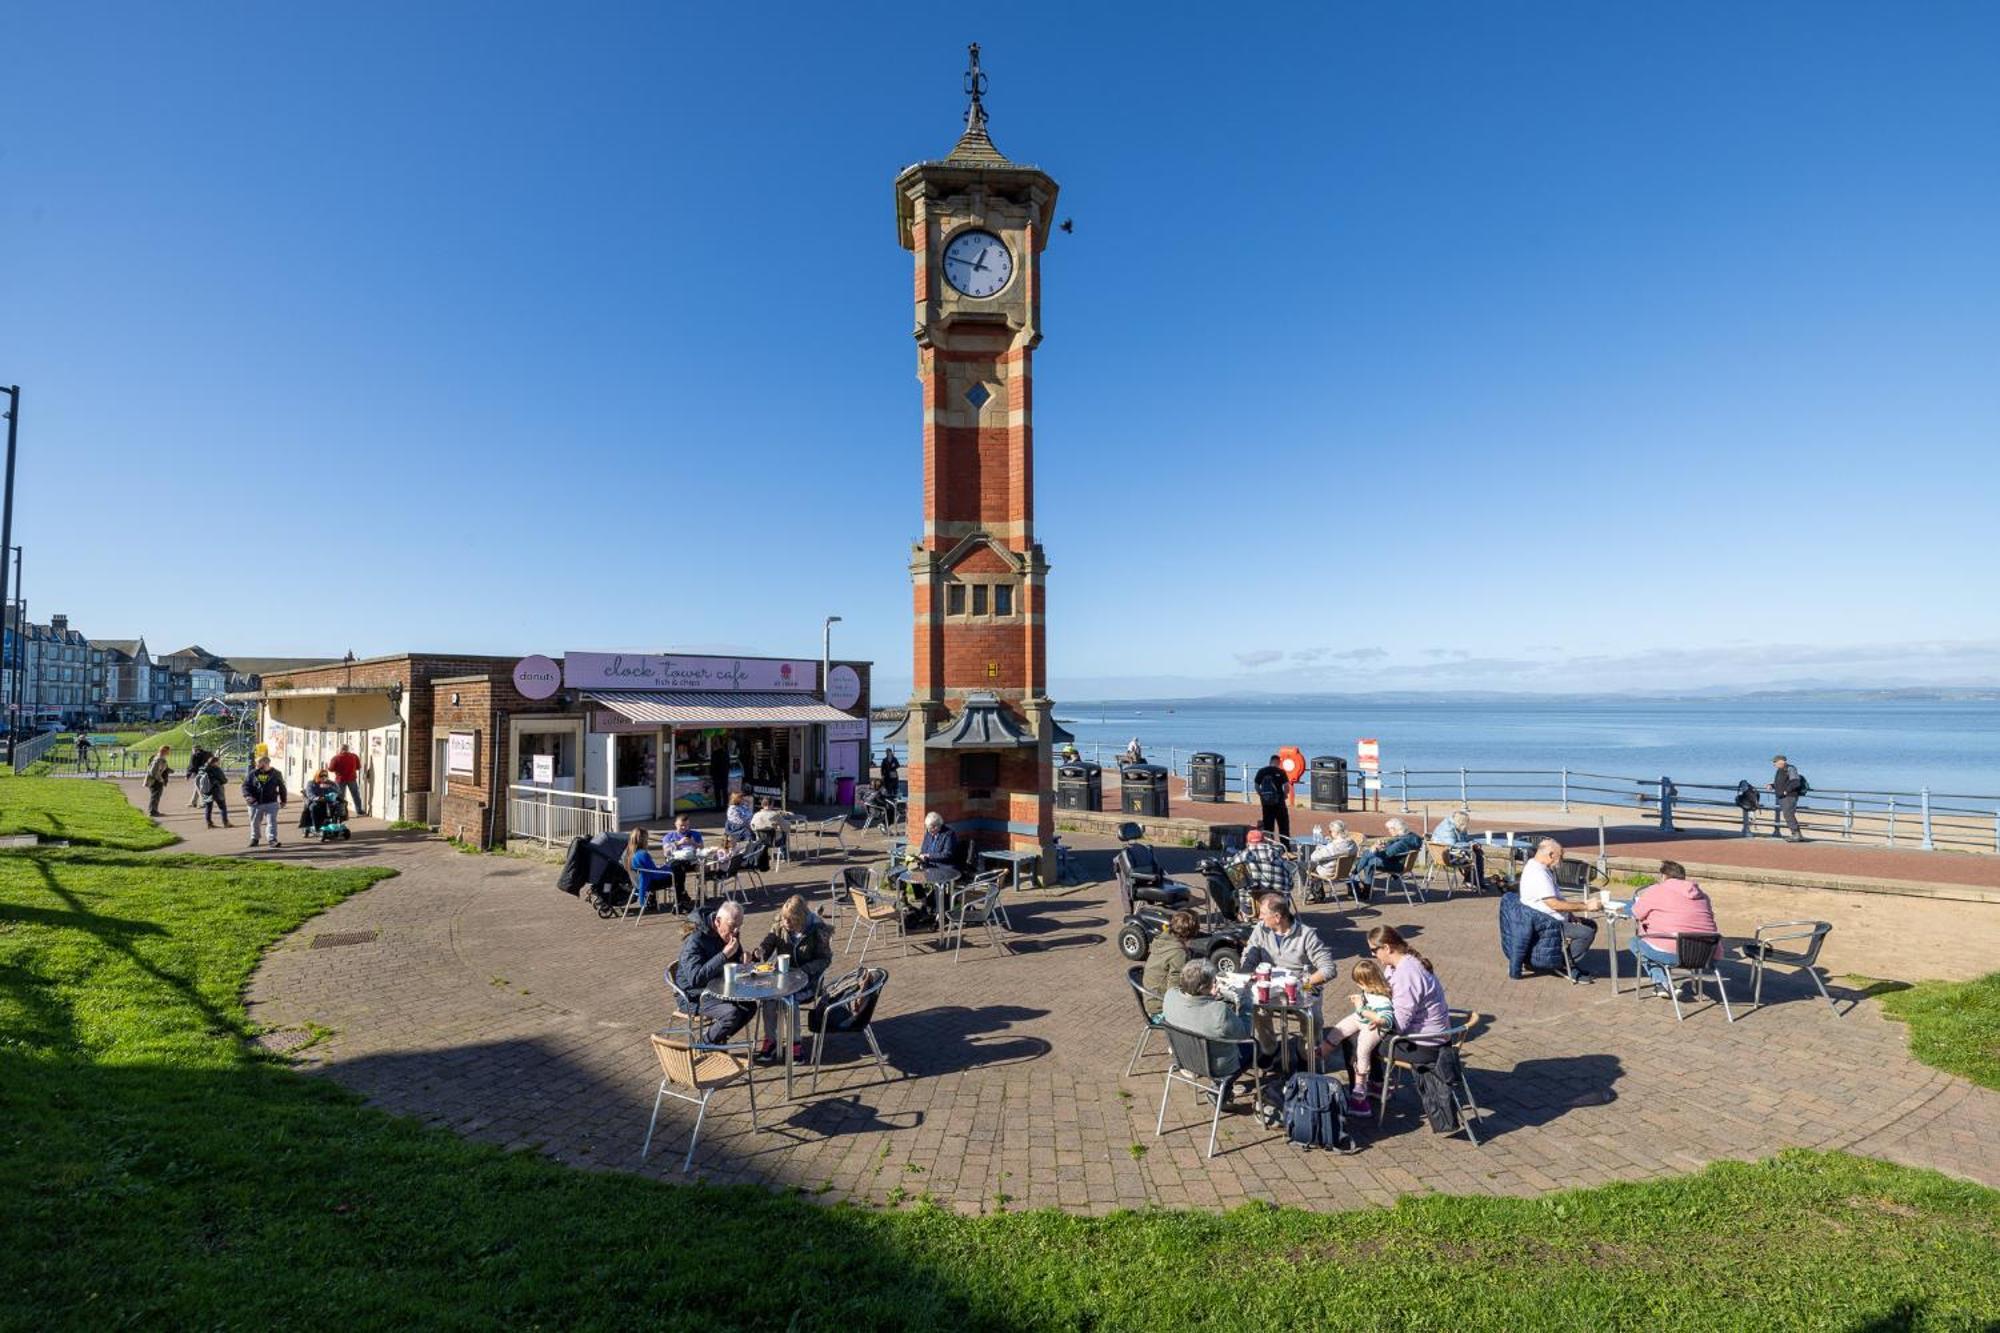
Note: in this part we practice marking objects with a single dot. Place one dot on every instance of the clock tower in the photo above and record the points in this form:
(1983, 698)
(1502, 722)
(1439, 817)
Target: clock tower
(980, 720)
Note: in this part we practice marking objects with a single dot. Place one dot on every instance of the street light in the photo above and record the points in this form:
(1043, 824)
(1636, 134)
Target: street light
(825, 670)
(7, 517)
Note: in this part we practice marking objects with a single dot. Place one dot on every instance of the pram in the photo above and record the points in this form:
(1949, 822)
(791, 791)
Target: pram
(325, 818)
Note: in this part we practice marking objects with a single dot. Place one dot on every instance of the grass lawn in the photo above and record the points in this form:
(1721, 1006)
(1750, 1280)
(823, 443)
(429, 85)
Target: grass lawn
(155, 1169)
(85, 812)
(1954, 1025)
(124, 737)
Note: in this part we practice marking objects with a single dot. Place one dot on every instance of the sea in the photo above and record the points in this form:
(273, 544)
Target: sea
(1888, 745)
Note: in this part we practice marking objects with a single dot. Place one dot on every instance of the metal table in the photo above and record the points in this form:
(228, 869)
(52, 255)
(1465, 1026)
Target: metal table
(938, 880)
(749, 987)
(1015, 860)
(1280, 1017)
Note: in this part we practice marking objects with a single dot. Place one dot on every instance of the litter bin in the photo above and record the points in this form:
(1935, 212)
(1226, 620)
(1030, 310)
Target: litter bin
(1206, 780)
(1080, 787)
(843, 793)
(1144, 788)
(1329, 783)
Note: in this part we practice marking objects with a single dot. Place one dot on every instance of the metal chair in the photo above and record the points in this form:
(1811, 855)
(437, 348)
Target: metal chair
(1338, 875)
(871, 909)
(643, 882)
(1760, 954)
(833, 826)
(725, 874)
(1463, 1021)
(1152, 1020)
(845, 878)
(1394, 873)
(848, 1005)
(1201, 1064)
(703, 1069)
(1697, 959)
(975, 902)
(687, 1007)
(1574, 876)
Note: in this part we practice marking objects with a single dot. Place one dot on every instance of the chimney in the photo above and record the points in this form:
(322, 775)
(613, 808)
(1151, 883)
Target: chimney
(59, 623)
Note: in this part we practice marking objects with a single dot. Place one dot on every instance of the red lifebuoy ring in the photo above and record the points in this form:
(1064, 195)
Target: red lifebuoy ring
(1293, 761)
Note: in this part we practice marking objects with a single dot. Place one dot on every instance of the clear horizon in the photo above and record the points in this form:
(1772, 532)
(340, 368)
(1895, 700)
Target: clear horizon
(1559, 349)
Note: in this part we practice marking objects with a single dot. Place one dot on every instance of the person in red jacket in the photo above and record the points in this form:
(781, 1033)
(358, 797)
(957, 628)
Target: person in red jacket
(346, 769)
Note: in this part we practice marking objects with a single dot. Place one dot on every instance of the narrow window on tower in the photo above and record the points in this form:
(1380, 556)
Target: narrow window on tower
(1003, 599)
(978, 599)
(954, 599)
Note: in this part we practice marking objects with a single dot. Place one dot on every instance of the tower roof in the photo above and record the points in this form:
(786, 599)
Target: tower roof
(974, 160)
(975, 146)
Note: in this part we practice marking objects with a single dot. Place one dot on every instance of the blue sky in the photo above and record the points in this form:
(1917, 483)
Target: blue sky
(1507, 346)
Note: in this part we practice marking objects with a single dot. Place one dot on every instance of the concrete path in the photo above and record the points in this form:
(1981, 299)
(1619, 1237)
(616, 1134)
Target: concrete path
(488, 1002)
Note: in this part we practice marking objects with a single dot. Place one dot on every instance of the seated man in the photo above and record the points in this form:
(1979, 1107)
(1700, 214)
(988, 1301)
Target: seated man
(1675, 905)
(1449, 841)
(736, 823)
(1193, 1006)
(1265, 869)
(1285, 942)
(1538, 892)
(1395, 851)
(715, 941)
(682, 846)
(940, 845)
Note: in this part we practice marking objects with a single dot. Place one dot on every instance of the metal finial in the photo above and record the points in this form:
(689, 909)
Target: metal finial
(975, 87)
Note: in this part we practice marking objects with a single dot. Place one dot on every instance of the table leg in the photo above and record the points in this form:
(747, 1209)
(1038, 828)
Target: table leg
(792, 1023)
(1611, 925)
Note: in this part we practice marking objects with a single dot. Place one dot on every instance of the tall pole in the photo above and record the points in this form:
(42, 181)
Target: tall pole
(20, 661)
(825, 670)
(7, 515)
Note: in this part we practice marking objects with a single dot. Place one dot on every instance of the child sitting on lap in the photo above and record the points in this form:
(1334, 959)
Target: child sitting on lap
(1373, 1018)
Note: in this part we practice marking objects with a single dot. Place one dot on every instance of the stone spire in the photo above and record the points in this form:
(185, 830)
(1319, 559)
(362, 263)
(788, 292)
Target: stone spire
(974, 146)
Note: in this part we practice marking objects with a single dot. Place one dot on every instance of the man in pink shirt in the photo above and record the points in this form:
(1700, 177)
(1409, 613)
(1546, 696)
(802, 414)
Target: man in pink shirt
(1674, 905)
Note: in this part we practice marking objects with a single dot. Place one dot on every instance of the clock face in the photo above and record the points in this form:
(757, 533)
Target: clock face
(977, 263)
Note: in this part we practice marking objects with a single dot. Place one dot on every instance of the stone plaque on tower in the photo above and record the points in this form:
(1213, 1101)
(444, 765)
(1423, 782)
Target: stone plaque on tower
(980, 719)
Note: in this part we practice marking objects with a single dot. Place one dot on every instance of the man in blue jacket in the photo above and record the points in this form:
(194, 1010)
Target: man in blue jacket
(714, 941)
(1400, 845)
(940, 844)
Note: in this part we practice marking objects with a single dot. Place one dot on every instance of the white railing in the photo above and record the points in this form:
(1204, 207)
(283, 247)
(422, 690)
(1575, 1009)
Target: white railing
(552, 817)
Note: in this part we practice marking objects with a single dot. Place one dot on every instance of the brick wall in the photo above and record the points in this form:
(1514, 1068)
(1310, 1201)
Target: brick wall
(485, 704)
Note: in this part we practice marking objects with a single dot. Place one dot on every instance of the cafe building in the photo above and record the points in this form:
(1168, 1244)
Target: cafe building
(593, 740)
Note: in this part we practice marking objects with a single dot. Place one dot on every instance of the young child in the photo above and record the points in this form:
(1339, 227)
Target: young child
(1373, 1018)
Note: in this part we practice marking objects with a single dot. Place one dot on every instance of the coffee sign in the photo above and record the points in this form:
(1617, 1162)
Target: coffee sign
(644, 671)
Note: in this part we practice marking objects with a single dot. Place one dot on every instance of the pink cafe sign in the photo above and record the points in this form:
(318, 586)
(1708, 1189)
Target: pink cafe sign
(643, 671)
(536, 677)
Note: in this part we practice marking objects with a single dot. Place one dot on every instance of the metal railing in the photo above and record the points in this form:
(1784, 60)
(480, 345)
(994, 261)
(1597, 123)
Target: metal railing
(35, 747)
(552, 817)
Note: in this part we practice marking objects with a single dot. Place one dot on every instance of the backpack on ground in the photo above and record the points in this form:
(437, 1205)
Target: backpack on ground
(1314, 1113)
(1436, 1088)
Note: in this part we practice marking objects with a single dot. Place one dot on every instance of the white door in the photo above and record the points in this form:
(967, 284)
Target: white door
(392, 777)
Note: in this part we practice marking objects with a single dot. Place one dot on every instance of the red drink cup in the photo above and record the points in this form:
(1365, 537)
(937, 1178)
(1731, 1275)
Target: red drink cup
(1292, 992)
(1262, 990)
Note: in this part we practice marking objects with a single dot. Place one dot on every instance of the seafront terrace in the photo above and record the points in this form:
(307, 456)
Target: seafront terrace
(470, 994)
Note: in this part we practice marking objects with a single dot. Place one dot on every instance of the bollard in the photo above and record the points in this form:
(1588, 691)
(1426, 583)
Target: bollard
(1924, 795)
(1666, 805)
(1462, 802)
(1565, 791)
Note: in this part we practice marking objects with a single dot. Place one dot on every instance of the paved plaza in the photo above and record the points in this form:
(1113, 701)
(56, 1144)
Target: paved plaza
(490, 1003)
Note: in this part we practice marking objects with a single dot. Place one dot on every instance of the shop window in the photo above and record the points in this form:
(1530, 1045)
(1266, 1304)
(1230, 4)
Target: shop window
(954, 599)
(634, 760)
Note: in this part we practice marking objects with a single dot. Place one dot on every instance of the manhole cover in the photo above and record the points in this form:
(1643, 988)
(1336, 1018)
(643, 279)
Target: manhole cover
(278, 1043)
(338, 938)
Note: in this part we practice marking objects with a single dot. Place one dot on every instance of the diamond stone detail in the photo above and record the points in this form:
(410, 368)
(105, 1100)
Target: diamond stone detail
(978, 395)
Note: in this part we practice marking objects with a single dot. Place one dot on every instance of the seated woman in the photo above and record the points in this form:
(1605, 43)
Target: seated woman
(736, 824)
(637, 859)
(321, 793)
(1416, 999)
(1193, 1006)
(1167, 956)
(1339, 844)
(798, 935)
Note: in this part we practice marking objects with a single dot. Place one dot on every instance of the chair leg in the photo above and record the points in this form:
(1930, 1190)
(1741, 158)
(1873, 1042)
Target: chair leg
(868, 940)
(1468, 1106)
(1674, 994)
(1215, 1121)
(1139, 1051)
(1166, 1087)
(1813, 972)
(1723, 991)
(695, 1138)
(750, 1082)
(819, 1045)
(658, 1097)
(881, 1060)
(1757, 983)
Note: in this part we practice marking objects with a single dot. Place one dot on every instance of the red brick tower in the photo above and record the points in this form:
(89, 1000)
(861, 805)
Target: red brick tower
(980, 718)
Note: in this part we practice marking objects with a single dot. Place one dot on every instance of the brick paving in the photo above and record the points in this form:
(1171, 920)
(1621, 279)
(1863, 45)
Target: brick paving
(496, 1006)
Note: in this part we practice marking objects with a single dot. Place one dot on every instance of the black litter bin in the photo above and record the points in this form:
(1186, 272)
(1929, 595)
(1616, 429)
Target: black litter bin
(1329, 783)
(1206, 780)
(1145, 790)
(1080, 787)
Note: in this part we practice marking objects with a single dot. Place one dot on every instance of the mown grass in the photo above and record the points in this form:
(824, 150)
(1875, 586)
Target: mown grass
(156, 1170)
(1954, 1025)
(77, 810)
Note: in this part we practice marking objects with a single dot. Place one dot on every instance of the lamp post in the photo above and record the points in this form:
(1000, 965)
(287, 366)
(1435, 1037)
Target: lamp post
(825, 670)
(17, 664)
(7, 514)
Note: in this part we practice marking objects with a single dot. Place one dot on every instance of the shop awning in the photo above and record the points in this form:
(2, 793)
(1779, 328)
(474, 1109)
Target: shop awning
(719, 708)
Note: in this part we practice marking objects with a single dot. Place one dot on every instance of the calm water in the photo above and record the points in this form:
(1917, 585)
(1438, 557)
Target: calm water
(1888, 746)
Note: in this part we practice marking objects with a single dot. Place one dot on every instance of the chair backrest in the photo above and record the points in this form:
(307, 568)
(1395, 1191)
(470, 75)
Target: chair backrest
(1342, 866)
(854, 877)
(1696, 952)
(1814, 933)
(1574, 874)
(1200, 1056)
(847, 1003)
(683, 1062)
(1136, 976)
(687, 1002)
(1124, 880)
(860, 899)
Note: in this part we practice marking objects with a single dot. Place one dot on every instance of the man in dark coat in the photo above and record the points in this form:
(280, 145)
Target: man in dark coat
(715, 940)
(1273, 791)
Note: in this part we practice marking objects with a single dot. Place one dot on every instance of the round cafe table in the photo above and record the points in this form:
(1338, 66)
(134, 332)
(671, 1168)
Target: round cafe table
(937, 880)
(749, 987)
